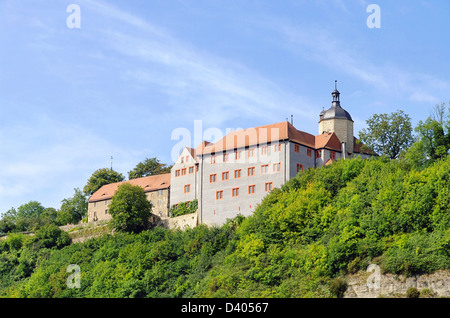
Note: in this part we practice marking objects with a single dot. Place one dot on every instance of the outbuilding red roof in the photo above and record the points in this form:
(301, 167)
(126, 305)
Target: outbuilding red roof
(150, 183)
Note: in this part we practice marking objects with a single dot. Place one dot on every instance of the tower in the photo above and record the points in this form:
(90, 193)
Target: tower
(337, 120)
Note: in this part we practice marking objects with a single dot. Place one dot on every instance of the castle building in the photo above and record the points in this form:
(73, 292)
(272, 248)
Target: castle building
(156, 189)
(233, 175)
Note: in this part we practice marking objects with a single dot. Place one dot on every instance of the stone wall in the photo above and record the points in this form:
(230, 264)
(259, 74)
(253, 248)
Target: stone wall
(181, 222)
(390, 285)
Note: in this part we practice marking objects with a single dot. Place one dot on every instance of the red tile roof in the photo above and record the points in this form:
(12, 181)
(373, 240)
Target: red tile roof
(329, 141)
(270, 133)
(150, 183)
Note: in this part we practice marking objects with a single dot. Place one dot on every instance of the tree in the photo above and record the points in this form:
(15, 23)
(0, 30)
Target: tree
(149, 167)
(101, 177)
(388, 134)
(73, 209)
(433, 138)
(30, 210)
(434, 133)
(130, 209)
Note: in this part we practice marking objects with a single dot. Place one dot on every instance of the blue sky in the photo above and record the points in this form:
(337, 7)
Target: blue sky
(136, 70)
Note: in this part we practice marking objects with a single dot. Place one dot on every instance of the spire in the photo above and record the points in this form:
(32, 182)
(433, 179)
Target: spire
(336, 102)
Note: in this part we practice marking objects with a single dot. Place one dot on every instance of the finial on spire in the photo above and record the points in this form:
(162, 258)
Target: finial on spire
(335, 95)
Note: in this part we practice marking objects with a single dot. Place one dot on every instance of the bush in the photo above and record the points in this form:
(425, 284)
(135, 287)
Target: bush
(412, 292)
(50, 236)
(184, 208)
(338, 287)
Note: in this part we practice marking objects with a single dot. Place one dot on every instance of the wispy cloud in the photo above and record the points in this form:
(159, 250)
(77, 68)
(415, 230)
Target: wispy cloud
(213, 88)
(320, 45)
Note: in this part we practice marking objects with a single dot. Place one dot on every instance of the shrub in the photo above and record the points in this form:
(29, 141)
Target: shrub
(184, 208)
(50, 236)
(412, 292)
(338, 287)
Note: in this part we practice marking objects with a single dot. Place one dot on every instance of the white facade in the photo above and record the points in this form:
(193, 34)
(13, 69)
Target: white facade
(233, 175)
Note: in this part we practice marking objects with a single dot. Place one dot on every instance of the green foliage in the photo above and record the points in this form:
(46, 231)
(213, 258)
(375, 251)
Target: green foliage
(149, 167)
(433, 138)
(300, 242)
(388, 134)
(130, 209)
(338, 286)
(73, 209)
(101, 177)
(412, 292)
(50, 236)
(184, 208)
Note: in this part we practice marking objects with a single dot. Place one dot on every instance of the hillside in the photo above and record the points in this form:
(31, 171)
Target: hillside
(300, 242)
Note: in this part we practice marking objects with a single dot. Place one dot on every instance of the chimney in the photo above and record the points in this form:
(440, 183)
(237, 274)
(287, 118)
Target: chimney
(344, 150)
(292, 119)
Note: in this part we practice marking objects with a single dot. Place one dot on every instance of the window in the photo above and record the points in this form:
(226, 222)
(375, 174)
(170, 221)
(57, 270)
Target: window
(213, 159)
(106, 211)
(235, 192)
(106, 202)
(237, 155)
(159, 202)
(212, 178)
(183, 171)
(251, 189)
(318, 153)
(225, 175)
(177, 173)
(251, 171)
(264, 150)
(182, 159)
(299, 168)
(268, 186)
(191, 169)
(332, 155)
(187, 159)
(237, 173)
(219, 195)
(95, 204)
(196, 167)
(309, 152)
(264, 169)
(277, 147)
(277, 167)
(187, 188)
(251, 152)
(225, 157)
(297, 148)
(160, 192)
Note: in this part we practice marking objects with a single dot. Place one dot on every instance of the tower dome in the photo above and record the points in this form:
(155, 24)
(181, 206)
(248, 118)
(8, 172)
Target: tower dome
(337, 120)
(336, 111)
